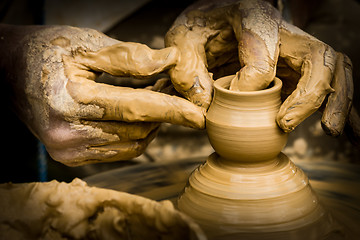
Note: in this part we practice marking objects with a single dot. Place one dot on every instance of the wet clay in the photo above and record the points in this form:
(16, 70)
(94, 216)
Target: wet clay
(247, 189)
(250, 38)
(336, 184)
(241, 125)
(52, 72)
(55, 210)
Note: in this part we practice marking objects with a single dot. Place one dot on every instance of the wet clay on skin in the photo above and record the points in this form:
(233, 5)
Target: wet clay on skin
(53, 72)
(58, 210)
(248, 189)
(250, 37)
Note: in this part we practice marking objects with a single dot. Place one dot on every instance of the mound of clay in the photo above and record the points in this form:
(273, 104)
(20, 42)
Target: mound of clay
(58, 210)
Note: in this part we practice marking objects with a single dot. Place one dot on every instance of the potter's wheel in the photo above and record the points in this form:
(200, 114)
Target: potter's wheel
(337, 184)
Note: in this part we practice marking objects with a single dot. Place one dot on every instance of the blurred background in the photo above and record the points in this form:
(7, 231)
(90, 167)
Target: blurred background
(336, 22)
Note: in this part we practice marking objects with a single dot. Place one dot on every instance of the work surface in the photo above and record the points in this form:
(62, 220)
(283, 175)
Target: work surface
(337, 184)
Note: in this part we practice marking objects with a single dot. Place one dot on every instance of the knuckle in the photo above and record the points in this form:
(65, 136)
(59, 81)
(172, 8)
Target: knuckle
(57, 138)
(329, 58)
(62, 156)
(138, 148)
(68, 156)
(347, 61)
(137, 131)
(133, 113)
(343, 60)
(264, 70)
(262, 74)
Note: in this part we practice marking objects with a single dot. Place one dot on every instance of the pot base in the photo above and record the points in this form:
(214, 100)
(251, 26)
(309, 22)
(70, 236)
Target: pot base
(265, 200)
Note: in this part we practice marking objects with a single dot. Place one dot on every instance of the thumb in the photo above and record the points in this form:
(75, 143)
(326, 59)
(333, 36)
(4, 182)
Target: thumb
(190, 76)
(257, 31)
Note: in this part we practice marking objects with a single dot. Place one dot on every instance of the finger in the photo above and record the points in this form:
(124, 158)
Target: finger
(124, 130)
(77, 155)
(256, 27)
(123, 150)
(163, 85)
(339, 102)
(316, 74)
(222, 52)
(128, 59)
(190, 75)
(133, 105)
(289, 77)
(83, 142)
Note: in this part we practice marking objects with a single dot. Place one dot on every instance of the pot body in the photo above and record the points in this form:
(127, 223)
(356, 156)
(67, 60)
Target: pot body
(248, 189)
(241, 126)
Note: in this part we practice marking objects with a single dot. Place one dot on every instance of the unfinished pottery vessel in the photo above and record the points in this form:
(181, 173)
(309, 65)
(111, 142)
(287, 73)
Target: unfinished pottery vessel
(248, 189)
(241, 125)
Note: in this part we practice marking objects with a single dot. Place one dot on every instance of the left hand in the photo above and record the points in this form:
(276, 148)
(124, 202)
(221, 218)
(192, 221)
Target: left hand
(224, 36)
(52, 72)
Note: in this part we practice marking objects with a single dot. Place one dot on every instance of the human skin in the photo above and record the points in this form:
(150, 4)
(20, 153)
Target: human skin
(49, 72)
(249, 38)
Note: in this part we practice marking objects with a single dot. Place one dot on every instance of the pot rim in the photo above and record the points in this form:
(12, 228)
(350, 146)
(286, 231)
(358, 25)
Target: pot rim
(220, 84)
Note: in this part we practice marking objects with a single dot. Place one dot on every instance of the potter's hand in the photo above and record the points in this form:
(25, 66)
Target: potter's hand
(52, 71)
(222, 37)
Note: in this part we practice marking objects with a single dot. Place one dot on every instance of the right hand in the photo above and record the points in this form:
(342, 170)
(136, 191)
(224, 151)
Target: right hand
(249, 38)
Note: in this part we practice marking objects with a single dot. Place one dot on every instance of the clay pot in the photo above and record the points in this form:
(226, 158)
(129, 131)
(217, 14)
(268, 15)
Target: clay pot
(248, 189)
(241, 125)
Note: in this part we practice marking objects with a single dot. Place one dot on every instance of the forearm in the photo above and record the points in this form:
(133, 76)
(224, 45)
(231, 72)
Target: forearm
(12, 44)
(13, 50)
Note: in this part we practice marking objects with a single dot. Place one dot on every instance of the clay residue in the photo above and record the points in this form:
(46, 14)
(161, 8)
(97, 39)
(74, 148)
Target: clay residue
(271, 200)
(78, 118)
(235, 119)
(210, 32)
(61, 42)
(56, 210)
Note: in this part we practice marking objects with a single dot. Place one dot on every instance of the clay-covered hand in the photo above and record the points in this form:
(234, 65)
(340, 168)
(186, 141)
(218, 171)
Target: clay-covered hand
(222, 37)
(52, 71)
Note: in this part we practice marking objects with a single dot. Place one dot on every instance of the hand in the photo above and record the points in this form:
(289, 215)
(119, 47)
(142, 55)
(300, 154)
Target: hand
(52, 71)
(223, 37)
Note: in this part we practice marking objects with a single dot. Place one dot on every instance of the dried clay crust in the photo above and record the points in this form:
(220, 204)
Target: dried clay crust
(58, 210)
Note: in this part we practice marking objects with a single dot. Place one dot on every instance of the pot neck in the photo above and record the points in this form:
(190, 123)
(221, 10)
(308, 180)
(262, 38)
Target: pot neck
(266, 98)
